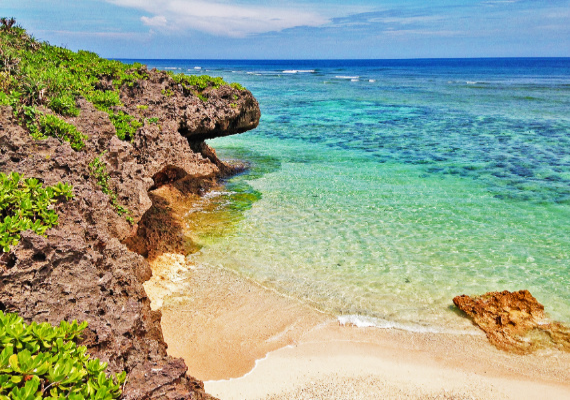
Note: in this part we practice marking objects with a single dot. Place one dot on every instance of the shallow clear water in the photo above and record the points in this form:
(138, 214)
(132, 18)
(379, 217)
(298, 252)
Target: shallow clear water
(385, 188)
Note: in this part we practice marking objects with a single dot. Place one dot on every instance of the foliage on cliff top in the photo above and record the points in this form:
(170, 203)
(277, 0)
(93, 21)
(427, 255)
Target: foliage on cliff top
(42, 361)
(34, 74)
(26, 205)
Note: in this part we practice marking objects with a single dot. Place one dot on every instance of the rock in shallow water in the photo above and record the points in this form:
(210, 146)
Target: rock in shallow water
(514, 321)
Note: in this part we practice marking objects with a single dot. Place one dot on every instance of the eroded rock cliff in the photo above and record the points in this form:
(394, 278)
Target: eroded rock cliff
(83, 269)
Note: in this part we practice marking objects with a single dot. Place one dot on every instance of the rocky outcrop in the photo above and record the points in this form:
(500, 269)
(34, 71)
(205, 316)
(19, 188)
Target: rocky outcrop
(82, 269)
(514, 321)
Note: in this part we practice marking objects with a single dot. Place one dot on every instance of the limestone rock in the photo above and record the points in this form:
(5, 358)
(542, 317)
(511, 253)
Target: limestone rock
(514, 321)
(82, 269)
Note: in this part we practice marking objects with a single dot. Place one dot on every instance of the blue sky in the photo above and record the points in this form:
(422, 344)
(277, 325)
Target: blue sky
(309, 29)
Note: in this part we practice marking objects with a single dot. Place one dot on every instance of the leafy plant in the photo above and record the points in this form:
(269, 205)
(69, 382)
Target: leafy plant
(50, 125)
(38, 74)
(199, 82)
(42, 361)
(153, 120)
(196, 84)
(64, 105)
(125, 124)
(26, 205)
(237, 86)
(167, 92)
(103, 101)
(34, 74)
(98, 170)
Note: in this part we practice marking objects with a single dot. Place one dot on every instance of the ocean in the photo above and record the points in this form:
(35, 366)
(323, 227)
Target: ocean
(380, 189)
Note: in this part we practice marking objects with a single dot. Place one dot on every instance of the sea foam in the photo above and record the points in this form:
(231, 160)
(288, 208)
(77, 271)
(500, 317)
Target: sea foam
(299, 71)
(362, 321)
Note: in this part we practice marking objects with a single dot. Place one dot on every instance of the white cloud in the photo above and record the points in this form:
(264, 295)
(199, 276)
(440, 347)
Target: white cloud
(158, 21)
(221, 18)
(420, 32)
(408, 20)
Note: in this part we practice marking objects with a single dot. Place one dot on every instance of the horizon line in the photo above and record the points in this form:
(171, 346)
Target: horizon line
(344, 59)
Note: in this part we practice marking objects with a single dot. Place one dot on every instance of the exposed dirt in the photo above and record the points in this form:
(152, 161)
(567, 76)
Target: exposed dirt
(83, 269)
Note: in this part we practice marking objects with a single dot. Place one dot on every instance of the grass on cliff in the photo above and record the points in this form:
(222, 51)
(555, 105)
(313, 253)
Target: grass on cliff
(40, 361)
(35, 74)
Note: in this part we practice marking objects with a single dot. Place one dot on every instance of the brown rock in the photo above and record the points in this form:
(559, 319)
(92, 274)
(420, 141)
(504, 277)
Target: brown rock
(514, 321)
(82, 269)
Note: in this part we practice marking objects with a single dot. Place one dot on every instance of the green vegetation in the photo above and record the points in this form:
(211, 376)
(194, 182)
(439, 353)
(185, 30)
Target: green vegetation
(26, 205)
(167, 92)
(40, 361)
(98, 170)
(35, 74)
(237, 86)
(50, 125)
(197, 82)
(125, 124)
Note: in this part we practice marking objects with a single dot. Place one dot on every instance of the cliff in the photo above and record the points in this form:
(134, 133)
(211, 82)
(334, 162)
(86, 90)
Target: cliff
(82, 268)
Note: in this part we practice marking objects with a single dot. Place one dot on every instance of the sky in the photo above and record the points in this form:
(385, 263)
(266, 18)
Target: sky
(299, 29)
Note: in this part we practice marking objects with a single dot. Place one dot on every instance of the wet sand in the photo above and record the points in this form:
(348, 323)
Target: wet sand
(221, 324)
(248, 342)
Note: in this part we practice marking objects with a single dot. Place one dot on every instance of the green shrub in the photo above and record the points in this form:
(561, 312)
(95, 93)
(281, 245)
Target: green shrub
(64, 105)
(125, 124)
(196, 84)
(52, 76)
(98, 170)
(38, 74)
(103, 101)
(199, 82)
(237, 86)
(26, 205)
(50, 125)
(167, 92)
(40, 361)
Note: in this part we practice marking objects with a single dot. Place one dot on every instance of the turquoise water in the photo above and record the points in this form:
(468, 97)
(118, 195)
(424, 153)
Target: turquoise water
(380, 190)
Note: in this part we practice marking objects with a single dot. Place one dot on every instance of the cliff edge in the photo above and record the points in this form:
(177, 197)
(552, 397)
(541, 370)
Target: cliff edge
(82, 268)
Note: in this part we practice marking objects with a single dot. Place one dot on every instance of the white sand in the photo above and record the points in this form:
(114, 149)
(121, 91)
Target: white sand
(221, 324)
(354, 370)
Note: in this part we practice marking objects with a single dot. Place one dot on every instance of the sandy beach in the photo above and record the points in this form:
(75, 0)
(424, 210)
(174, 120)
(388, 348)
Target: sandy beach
(247, 342)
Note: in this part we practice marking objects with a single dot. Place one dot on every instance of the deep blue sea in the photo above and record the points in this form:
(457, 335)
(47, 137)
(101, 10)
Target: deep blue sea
(381, 189)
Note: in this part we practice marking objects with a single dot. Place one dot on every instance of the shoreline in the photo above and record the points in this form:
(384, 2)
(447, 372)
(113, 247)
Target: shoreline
(395, 365)
(249, 342)
(252, 343)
